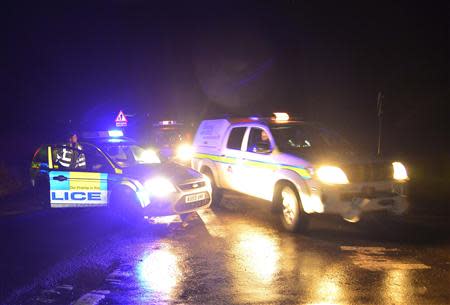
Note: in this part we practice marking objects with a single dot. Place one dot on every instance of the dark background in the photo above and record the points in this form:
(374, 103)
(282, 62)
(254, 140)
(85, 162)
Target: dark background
(73, 66)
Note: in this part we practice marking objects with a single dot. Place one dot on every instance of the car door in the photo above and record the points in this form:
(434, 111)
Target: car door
(258, 166)
(78, 178)
(230, 170)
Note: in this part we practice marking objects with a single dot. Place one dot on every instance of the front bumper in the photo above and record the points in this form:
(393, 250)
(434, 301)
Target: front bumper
(352, 201)
(176, 203)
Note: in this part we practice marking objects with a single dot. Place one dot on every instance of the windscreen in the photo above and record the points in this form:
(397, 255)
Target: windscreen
(305, 138)
(168, 137)
(126, 155)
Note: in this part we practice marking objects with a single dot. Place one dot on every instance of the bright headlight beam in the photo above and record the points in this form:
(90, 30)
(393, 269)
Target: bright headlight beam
(185, 152)
(400, 172)
(332, 175)
(159, 187)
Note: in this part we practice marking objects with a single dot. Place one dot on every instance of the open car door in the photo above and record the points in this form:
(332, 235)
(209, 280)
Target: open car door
(75, 178)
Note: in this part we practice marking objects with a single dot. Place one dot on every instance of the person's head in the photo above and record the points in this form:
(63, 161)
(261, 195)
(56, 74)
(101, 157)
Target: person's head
(73, 138)
(264, 136)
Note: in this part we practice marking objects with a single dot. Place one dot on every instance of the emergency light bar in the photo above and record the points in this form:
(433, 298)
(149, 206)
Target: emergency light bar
(115, 133)
(281, 116)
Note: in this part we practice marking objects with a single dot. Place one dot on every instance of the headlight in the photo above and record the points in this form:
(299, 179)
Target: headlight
(159, 187)
(331, 175)
(184, 152)
(399, 171)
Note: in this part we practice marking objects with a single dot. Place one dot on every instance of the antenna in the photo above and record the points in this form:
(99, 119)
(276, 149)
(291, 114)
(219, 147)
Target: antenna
(380, 119)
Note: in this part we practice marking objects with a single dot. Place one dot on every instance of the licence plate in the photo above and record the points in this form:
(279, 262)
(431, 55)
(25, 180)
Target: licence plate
(195, 197)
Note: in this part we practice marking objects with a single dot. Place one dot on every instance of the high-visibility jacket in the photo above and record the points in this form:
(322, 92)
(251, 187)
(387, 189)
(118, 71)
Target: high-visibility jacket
(71, 157)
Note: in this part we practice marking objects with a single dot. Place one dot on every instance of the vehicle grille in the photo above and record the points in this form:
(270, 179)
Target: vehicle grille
(192, 185)
(375, 171)
(375, 194)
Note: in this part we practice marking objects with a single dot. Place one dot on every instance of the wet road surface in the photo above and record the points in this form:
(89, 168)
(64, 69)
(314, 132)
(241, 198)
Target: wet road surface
(234, 255)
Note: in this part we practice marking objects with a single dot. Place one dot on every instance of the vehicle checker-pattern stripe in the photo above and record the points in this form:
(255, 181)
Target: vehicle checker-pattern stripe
(304, 173)
(79, 189)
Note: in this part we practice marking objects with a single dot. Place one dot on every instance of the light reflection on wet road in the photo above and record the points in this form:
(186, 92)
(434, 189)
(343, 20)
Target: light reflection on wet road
(159, 272)
(238, 255)
(229, 257)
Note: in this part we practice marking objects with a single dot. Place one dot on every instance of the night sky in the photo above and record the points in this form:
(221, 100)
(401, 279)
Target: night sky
(323, 62)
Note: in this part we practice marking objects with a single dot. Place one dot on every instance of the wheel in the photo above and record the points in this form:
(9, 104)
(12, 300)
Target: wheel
(125, 207)
(293, 218)
(217, 193)
(41, 192)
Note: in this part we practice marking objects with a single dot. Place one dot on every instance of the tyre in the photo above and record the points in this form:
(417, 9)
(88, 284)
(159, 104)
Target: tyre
(292, 216)
(217, 193)
(125, 207)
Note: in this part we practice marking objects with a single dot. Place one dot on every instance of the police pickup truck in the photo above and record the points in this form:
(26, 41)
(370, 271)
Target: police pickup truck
(301, 167)
(116, 172)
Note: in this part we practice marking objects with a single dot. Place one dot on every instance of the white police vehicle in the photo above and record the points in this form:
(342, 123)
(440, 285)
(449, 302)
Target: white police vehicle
(301, 167)
(114, 171)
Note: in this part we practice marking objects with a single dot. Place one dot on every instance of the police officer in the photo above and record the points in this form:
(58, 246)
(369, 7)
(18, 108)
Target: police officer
(258, 138)
(71, 155)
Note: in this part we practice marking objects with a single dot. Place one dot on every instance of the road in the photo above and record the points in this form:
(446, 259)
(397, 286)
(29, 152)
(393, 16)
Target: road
(233, 255)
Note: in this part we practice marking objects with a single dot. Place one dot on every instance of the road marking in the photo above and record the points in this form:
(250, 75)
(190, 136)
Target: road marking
(164, 219)
(92, 298)
(119, 273)
(212, 223)
(377, 259)
(65, 287)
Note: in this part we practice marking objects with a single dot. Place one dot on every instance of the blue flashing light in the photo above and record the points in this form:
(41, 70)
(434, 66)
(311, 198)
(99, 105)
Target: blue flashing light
(115, 133)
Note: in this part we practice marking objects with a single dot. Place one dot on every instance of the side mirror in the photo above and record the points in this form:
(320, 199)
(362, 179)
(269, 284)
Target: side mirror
(262, 148)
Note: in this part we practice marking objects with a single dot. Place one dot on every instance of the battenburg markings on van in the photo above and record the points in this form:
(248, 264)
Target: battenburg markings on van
(255, 163)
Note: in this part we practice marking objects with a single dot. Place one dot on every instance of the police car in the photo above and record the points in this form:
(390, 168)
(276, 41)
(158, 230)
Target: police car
(301, 167)
(107, 169)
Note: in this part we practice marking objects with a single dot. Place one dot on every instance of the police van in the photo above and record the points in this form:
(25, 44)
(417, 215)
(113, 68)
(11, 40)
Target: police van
(108, 169)
(301, 167)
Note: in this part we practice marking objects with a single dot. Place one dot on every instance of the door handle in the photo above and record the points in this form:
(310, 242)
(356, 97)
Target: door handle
(60, 178)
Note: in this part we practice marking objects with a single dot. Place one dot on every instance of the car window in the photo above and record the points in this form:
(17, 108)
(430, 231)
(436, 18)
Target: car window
(167, 137)
(88, 158)
(301, 138)
(66, 158)
(257, 136)
(95, 160)
(118, 153)
(235, 138)
(126, 155)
